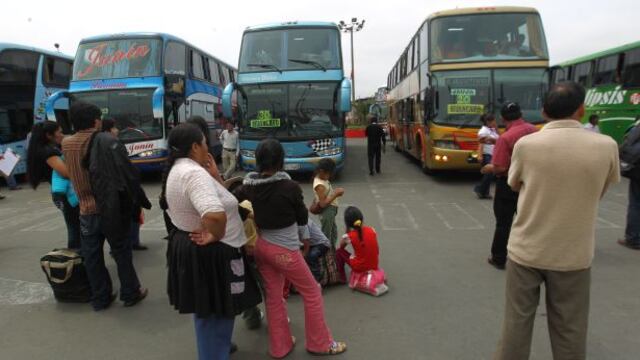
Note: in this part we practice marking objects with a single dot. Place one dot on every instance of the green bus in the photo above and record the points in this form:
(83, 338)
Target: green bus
(612, 80)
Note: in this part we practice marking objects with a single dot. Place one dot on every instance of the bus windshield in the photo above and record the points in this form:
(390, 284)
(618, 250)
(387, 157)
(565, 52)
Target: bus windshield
(462, 96)
(486, 37)
(131, 109)
(117, 59)
(524, 86)
(300, 110)
(290, 49)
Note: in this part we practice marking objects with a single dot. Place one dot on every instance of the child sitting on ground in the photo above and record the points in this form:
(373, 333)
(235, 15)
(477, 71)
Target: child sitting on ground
(365, 273)
(314, 247)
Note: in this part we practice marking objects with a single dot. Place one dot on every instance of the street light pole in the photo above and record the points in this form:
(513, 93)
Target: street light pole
(350, 28)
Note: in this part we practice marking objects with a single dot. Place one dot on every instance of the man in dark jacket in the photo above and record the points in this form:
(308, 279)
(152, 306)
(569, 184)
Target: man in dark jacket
(630, 165)
(376, 141)
(100, 173)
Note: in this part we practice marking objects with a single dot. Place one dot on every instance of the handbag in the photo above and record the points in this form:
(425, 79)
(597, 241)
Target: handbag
(330, 275)
(372, 282)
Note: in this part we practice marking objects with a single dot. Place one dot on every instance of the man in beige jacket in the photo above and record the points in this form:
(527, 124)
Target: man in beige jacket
(561, 173)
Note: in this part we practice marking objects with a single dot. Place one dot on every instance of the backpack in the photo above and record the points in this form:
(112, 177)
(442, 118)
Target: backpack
(630, 154)
(67, 276)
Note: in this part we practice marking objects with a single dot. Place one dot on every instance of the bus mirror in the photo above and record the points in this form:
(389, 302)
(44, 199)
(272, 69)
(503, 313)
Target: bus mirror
(344, 104)
(227, 95)
(50, 106)
(157, 103)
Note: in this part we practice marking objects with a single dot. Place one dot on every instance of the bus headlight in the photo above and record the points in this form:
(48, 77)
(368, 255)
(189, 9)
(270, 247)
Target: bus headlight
(329, 152)
(248, 153)
(150, 153)
(446, 144)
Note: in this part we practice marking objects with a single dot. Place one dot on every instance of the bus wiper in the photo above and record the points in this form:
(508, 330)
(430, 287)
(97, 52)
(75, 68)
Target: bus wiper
(309, 62)
(266, 66)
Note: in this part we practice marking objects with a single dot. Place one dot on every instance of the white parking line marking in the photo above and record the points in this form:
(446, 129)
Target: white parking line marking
(396, 217)
(23, 218)
(49, 225)
(453, 217)
(602, 223)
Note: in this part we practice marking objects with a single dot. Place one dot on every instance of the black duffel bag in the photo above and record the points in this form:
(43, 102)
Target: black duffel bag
(67, 276)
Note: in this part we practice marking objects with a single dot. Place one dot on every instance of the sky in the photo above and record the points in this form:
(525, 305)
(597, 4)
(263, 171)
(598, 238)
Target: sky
(572, 28)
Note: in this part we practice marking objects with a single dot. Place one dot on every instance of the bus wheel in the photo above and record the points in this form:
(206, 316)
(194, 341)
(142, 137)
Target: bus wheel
(426, 169)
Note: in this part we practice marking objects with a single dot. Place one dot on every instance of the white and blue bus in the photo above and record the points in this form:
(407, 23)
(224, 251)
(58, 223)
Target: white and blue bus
(28, 76)
(291, 87)
(148, 83)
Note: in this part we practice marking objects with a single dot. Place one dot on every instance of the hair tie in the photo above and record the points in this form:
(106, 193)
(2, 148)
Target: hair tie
(357, 223)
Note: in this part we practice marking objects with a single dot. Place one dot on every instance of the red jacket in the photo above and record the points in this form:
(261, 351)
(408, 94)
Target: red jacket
(366, 250)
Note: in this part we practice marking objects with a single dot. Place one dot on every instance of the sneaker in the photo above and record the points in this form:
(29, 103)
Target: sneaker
(2, 197)
(112, 298)
(139, 247)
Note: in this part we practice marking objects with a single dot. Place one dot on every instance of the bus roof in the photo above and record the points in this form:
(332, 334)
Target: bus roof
(597, 55)
(483, 10)
(7, 46)
(292, 24)
(163, 36)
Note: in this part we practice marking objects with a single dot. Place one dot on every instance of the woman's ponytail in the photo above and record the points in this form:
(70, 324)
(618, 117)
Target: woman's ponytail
(353, 219)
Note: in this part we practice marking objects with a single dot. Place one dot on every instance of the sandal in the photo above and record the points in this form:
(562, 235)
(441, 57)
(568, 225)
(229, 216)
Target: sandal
(337, 347)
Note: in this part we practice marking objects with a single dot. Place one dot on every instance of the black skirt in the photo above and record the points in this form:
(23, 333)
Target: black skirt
(208, 280)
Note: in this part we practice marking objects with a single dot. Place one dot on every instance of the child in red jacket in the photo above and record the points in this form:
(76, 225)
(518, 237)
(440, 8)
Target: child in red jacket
(363, 240)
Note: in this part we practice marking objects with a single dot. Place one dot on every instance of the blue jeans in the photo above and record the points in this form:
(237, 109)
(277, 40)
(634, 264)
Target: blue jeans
(71, 219)
(213, 337)
(11, 181)
(93, 253)
(484, 187)
(632, 231)
(313, 260)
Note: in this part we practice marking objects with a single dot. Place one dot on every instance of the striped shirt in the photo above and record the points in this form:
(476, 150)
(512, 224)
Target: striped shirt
(74, 149)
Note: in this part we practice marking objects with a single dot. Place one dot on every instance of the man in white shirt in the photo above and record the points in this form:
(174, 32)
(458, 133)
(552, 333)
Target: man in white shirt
(230, 150)
(592, 125)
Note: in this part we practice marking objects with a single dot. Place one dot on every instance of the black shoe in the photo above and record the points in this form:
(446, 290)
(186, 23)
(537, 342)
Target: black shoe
(233, 348)
(142, 293)
(495, 264)
(370, 173)
(112, 298)
(626, 244)
(139, 247)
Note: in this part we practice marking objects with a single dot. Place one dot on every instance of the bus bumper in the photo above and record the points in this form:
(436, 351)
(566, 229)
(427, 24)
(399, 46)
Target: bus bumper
(307, 164)
(446, 159)
(155, 164)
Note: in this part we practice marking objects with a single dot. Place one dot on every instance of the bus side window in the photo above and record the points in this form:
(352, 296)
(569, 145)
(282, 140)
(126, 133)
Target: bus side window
(197, 70)
(631, 70)
(214, 71)
(606, 71)
(57, 72)
(581, 73)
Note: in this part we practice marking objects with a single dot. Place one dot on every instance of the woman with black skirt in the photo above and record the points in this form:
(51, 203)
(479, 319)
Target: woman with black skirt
(207, 275)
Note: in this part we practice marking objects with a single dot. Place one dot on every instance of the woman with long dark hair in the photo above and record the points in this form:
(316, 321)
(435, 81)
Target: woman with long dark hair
(45, 163)
(207, 276)
(279, 212)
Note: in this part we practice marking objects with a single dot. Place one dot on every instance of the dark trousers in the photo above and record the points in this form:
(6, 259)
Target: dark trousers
(313, 260)
(567, 301)
(71, 219)
(632, 231)
(374, 154)
(484, 187)
(134, 233)
(93, 253)
(505, 205)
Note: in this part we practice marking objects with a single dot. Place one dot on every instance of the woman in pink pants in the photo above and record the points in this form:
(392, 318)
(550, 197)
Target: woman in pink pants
(279, 211)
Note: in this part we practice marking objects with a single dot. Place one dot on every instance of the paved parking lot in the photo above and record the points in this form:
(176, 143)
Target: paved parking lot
(445, 302)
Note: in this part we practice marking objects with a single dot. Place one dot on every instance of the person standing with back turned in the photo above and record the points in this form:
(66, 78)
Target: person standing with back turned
(94, 219)
(376, 142)
(506, 200)
(553, 237)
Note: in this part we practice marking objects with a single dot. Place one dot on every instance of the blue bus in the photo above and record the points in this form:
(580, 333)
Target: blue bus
(148, 83)
(291, 87)
(27, 77)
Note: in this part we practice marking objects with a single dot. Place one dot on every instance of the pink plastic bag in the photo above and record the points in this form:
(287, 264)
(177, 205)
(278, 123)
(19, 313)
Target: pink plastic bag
(372, 282)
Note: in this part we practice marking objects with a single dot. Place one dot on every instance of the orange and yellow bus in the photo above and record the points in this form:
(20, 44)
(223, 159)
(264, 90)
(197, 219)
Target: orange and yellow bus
(460, 64)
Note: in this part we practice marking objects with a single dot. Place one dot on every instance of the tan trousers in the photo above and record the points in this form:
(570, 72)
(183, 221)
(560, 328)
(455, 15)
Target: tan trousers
(228, 163)
(567, 299)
